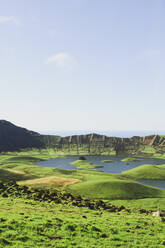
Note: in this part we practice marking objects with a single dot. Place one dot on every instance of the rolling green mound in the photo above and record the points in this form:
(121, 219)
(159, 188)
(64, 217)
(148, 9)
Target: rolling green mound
(131, 159)
(104, 188)
(83, 164)
(146, 172)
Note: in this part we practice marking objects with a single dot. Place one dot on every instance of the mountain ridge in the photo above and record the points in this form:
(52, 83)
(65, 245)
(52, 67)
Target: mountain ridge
(13, 138)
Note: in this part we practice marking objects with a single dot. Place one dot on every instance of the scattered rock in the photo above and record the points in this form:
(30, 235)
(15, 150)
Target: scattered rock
(13, 189)
(104, 235)
(82, 158)
(95, 229)
(2, 220)
(70, 228)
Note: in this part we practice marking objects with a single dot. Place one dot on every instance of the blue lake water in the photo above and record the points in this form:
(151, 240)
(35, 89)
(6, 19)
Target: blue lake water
(155, 183)
(117, 166)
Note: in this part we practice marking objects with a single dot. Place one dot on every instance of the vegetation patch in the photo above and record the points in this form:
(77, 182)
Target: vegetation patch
(13, 189)
(147, 149)
(107, 161)
(75, 208)
(9, 174)
(146, 172)
(158, 155)
(24, 158)
(83, 164)
(114, 188)
(131, 159)
(31, 223)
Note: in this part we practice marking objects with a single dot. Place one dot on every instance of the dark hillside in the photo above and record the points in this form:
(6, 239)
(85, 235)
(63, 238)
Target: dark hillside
(13, 138)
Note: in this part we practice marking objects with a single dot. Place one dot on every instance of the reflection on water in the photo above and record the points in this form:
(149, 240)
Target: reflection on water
(116, 166)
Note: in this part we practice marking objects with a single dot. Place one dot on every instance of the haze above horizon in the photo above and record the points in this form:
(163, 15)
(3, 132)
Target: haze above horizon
(83, 65)
(121, 133)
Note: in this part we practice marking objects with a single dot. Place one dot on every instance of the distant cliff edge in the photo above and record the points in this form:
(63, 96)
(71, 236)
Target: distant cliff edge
(14, 138)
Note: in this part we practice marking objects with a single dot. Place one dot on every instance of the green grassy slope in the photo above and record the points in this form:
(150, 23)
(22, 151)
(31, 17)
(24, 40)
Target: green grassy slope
(146, 172)
(7, 175)
(137, 204)
(113, 188)
(29, 223)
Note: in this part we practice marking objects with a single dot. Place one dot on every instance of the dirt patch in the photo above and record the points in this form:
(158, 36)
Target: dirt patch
(16, 171)
(52, 180)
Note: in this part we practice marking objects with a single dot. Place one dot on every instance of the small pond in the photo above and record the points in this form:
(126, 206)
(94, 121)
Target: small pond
(116, 166)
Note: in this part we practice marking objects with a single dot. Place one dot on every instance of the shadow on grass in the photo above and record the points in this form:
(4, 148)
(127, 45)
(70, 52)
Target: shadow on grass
(6, 176)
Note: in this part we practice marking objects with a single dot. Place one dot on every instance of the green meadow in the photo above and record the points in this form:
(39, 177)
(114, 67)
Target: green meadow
(103, 210)
(29, 223)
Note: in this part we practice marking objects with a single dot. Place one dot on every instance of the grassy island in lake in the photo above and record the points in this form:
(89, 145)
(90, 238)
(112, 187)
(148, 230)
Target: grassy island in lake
(131, 159)
(83, 164)
(107, 161)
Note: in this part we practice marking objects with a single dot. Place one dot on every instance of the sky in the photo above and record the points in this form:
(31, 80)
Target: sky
(83, 65)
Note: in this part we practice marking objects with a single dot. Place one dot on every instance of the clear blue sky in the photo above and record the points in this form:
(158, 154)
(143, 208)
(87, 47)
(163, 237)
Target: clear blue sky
(83, 64)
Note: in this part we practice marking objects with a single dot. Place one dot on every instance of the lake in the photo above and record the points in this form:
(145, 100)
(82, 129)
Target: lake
(116, 166)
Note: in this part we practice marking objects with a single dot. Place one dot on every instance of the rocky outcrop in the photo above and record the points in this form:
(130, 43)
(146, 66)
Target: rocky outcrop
(95, 143)
(151, 140)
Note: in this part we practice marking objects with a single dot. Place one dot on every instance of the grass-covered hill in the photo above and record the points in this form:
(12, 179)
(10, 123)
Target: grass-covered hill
(114, 188)
(13, 138)
(146, 172)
